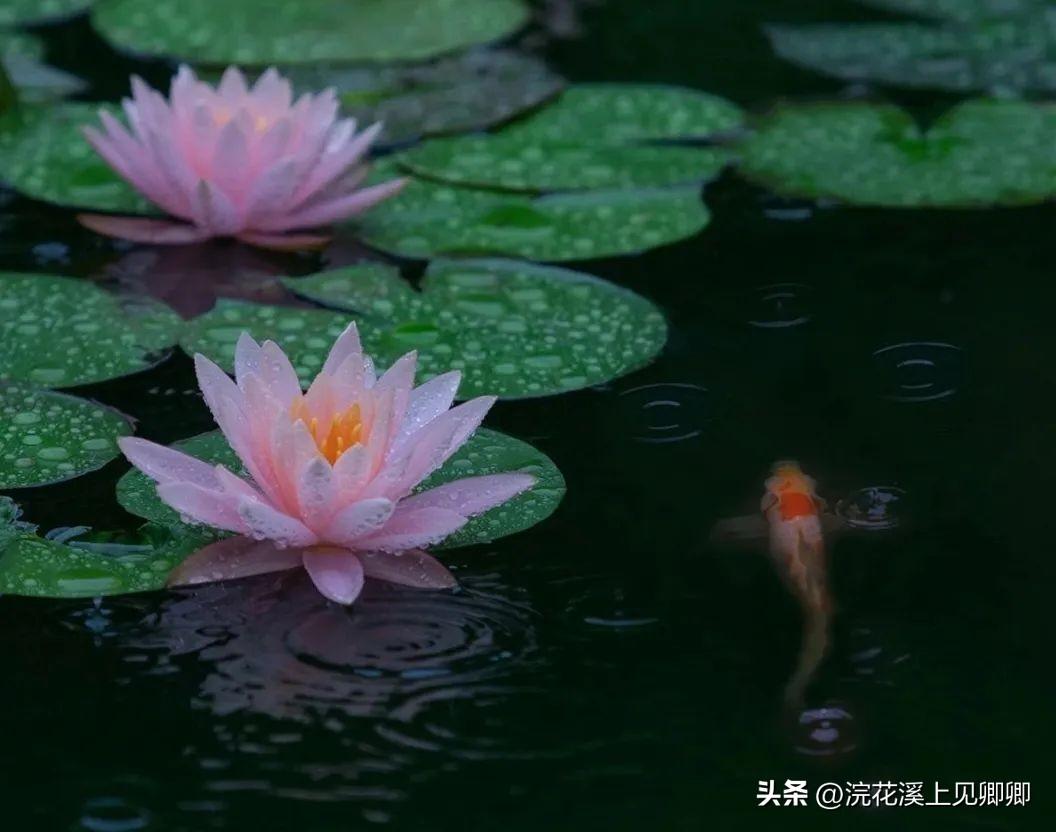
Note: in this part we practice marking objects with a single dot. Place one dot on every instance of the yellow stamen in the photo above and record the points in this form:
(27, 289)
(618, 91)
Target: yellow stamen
(344, 431)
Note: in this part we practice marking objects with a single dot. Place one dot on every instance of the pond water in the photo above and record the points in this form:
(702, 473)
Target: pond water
(611, 668)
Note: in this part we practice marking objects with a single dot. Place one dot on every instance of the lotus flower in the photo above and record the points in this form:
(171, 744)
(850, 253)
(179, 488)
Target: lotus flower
(236, 162)
(331, 471)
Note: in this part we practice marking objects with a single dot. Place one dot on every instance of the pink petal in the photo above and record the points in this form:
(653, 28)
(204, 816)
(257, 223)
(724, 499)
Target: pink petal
(339, 208)
(336, 573)
(232, 86)
(399, 378)
(144, 230)
(472, 495)
(232, 558)
(278, 373)
(414, 528)
(217, 387)
(351, 471)
(229, 162)
(426, 403)
(412, 568)
(215, 210)
(265, 523)
(315, 493)
(344, 149)
(163, 464)
(346, 345)
(271, 191)
(358, 520)
(201, 505)
(285, 242)
(247, 357)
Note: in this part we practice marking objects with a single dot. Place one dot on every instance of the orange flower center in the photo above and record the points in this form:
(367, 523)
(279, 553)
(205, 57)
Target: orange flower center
(333, 438)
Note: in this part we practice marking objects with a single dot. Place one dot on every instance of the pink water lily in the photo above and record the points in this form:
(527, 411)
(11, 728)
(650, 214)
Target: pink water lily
(232, 161)
(331, 471)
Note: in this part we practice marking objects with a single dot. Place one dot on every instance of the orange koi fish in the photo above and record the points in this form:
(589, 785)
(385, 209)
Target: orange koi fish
(794, 520)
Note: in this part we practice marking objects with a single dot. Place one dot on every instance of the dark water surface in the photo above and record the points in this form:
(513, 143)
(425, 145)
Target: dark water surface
(610, 669)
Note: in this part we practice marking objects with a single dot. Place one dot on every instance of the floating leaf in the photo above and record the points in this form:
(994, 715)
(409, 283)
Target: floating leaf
(44, 155)
(429, 219)
(20, 12)
(622, 113)
(980, 153)
(38, 567)
(303, 31)
(513, 329)
(591, 137)
(61, 332)
(487, 452)
(478, 89)
(516, 163)
(306, 335)
(48, 437)
(1004, 55)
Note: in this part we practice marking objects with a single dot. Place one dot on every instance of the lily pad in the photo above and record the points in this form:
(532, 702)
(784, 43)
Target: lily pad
(514, 329)
(624, 113)
(481, 88)
(306, 335)
(981, 152)
(519, 163)
(429, 219)
(61, 332)
(44, 155)
(21, 12)
(486, 452)
(1011, 55)
(38, 567)
(48, 437)
(305, 31)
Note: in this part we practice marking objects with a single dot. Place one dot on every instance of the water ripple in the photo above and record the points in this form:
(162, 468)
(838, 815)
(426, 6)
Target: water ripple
(919, 371)
(669, 412)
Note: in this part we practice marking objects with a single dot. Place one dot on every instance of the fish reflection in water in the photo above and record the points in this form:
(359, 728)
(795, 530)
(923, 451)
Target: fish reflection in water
(796, 522)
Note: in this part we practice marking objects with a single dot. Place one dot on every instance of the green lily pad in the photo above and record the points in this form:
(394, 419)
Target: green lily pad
(429, 219)
(979, 153)
(305, 31)
(478, 89)
(61, 332)
(44, 155)
(514, 329)
(20, 12)
(510, 162)
(37, 567)
(48, 437)
(1011, 55)
(306, 335)
(624, 113)
(486, 452)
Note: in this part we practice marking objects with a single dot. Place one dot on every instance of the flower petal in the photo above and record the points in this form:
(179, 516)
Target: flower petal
(413, 568)
(414, 528)
(427, 402)
(338, 208)
(266, 523)
(212, 508)
(163, 464)
(347, 344)
(359, 520)
(336, 573)
(232, 558)
(144, 230)
(472, 495)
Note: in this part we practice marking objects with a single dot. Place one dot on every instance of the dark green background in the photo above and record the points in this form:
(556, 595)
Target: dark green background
(608, 670)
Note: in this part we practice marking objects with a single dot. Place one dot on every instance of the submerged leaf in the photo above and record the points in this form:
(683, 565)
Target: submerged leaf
(428, 219)
(486, 452)
(513, 329)
(1003, 55)
(478, 89)
(61, 332)
(22, 56)
(303, 31)
(49, 437)
(981, 152)
(44, 155)
(962, 10)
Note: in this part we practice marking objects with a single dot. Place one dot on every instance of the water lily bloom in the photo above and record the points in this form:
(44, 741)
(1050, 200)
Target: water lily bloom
(231, 161)
(331, 471)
